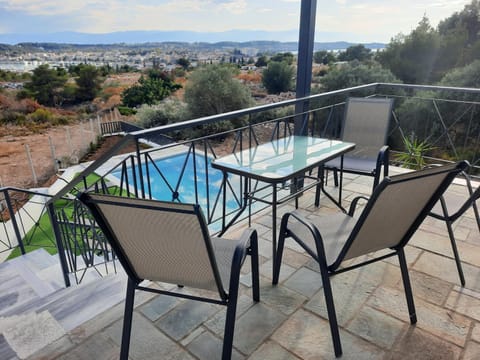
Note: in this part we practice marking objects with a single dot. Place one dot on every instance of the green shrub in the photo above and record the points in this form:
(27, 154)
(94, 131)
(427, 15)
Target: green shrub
(126, 111)
(41, 116)
(166, 112)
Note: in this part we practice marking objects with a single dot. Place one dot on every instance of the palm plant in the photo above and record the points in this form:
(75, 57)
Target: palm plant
(413, 157)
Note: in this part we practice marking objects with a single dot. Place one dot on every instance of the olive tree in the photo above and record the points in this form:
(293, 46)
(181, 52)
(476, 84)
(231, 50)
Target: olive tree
(277, 77)
(213, 89)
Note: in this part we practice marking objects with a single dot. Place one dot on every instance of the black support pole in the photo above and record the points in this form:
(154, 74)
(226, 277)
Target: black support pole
(305, 58)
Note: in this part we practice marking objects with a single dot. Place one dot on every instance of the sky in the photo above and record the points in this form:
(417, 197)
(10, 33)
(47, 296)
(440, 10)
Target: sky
(349, 20)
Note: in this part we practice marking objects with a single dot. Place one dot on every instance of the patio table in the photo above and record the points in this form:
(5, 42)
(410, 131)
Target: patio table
(279, 163)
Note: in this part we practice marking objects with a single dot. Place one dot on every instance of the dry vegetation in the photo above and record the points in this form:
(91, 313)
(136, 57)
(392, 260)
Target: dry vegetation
(68, 131)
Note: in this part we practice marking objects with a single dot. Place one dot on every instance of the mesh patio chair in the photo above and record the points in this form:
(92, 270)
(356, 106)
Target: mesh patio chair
(453, 204)
(393, 213)
(169, 242)
(366, 122)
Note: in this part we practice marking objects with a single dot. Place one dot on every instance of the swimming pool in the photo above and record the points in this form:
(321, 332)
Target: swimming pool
(172, 178)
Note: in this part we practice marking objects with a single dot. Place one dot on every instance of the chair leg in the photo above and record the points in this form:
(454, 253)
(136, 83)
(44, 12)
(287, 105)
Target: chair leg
(332, 315)
(278, 255)
(231, 313)
(322, 176)
(335, 177)
(127, 320)
(253, 251)
(455, 252)
(407, 286)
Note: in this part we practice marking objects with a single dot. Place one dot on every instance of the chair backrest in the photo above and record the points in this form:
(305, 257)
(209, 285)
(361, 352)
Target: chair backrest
(396, 209)
(457, 202)
(366, 122)
(157, 240)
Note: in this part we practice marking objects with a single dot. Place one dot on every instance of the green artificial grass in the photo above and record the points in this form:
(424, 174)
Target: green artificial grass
(41, 235)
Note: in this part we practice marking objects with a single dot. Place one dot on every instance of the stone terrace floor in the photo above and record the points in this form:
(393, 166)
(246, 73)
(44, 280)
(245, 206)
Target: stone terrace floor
(290, 320)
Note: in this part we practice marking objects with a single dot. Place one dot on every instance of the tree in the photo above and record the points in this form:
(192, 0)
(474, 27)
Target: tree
(412, 58)
(88, 83)
(460, 38)
(261, 61)
(324, 57)
(149, 90)
(355, 52)
(184, 63)
(354, 74)
(213, 89)
(283, 57)
(277, 77)
(468, 76)
(46, 85)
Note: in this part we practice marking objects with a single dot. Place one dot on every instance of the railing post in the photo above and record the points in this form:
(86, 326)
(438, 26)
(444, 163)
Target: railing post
(14, 222)
(305, 58)
(140, 172)
(60, 247)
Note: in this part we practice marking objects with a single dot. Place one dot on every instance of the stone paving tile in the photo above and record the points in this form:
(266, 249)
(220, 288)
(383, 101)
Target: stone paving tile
(472, 351)
(158, 306)
(265, 247)
(304, 281)
(285, 271)
(473, 237)
(280, 298)
(270, 350)
(464, 304)
(378, 273)
(411, 254)
(308, 337)
(476, 332)
(208, 347)
(186, 317)
(255, 326)
(216, 323)
(432, 242)
(441, 244)
(417, 344)
(350, 291)
(376, 327)
(442, 322)
(428, 287)
(445, 269)
(294, 259)
(96, 347)
(52, 350)
(147, 342)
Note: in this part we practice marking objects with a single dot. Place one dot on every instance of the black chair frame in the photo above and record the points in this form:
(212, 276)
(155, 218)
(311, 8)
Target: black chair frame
(327, 271)
(134, 281)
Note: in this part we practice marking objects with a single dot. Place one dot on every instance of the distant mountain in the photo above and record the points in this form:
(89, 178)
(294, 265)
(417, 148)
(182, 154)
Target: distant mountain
(143, 37)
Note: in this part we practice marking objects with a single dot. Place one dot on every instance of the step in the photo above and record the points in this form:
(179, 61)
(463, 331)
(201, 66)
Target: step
(74, 305)
(29, 327)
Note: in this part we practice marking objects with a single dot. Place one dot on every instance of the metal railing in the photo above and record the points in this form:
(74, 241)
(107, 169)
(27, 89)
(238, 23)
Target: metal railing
(23, 217)
(444, 117)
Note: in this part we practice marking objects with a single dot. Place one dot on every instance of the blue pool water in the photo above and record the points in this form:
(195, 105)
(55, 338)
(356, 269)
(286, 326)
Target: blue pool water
(164, 187)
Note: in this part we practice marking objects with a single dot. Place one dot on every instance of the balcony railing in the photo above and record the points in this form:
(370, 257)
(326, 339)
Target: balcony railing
(445, 118)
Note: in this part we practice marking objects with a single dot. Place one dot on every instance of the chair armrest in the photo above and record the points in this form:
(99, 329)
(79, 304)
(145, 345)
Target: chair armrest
(354, 203)
(382, 159)
(246, 237)
(320, 254)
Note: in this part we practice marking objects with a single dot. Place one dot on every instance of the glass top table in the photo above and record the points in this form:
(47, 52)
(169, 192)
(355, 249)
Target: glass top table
(282, 159)
(275, 163)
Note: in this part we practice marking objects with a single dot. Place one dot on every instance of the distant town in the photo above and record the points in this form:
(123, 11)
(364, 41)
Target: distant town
(25, 57)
